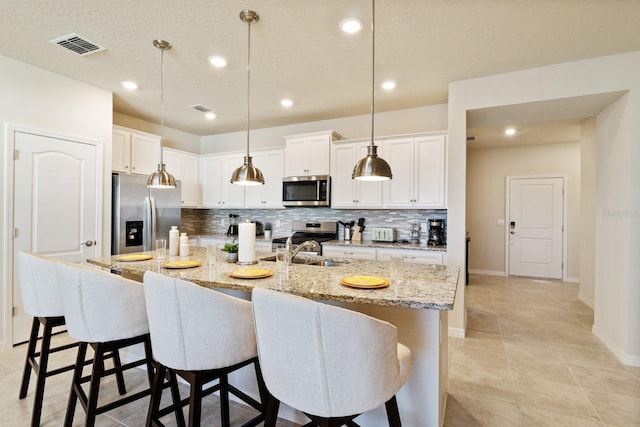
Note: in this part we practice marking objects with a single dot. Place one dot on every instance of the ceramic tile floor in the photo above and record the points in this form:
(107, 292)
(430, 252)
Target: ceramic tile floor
(529, 359)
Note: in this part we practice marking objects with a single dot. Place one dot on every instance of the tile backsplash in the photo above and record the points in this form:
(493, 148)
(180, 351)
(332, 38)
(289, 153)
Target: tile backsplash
(216, 221)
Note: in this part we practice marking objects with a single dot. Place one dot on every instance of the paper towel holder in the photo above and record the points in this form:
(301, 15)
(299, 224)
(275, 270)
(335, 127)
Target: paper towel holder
(251, 236)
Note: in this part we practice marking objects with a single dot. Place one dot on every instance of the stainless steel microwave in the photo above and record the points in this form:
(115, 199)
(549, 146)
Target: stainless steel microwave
(314, 190)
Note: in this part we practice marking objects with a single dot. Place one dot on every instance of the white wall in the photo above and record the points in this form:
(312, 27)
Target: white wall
(486, 172)
(588, 145)
(617, 285)
(414, 120)
(34, 98)
(173, 138)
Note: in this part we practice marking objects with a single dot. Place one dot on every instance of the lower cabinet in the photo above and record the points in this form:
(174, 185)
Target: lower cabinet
(409, 255)
(349, 252)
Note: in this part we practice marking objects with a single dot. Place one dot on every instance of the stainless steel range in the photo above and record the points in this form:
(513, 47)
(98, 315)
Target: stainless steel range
(320, 231)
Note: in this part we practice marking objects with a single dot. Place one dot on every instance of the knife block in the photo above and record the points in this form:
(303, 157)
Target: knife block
(357, 235)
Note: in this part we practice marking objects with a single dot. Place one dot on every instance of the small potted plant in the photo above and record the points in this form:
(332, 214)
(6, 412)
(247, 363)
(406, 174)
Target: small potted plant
(232, 251)
(267, 231)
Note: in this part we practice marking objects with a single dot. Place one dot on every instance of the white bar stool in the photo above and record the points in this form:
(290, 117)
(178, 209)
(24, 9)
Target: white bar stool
(201, 335)
(330, 363)
(41, 299)
(108, 313)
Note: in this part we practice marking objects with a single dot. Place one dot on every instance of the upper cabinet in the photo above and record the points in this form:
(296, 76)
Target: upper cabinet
(215, 176)
(268, 195)
(134, 151)
(418, 167)
(346, 192)
(184, 166)
(308, 154)
(218, 192)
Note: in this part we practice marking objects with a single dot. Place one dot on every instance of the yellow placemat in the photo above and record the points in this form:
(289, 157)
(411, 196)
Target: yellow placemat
(182, 264)
(134, 257)
(364, 282)
(251, 273)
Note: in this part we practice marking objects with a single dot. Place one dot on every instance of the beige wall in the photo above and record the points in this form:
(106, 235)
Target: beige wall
(173, 138)
(487, 170)
(413, 120)
(588, 148)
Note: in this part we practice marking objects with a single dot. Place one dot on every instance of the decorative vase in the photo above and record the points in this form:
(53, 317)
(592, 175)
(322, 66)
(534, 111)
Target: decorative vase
(232, 257)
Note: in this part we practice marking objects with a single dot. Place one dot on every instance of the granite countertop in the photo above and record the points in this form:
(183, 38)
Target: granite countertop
(425, 286)
(388, 245)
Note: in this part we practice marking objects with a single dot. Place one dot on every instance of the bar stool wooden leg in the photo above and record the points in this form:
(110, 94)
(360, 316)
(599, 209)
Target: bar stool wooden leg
(156, 394)
(392, 412)
(122, 389)
(94, 385)
(31, 354)
(77, 375)
(195, 402)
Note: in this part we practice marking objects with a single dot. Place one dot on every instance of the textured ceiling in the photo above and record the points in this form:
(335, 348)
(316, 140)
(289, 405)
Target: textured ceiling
(299, 52)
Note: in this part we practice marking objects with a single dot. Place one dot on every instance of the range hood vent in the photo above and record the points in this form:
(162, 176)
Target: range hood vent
(77, 44)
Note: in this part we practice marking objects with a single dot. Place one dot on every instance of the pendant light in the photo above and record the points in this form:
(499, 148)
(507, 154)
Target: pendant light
(372, 167)
(247, 174)
(161, 178)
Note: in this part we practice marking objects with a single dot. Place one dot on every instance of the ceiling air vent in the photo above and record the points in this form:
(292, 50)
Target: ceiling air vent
(77, 44)
(201, 108)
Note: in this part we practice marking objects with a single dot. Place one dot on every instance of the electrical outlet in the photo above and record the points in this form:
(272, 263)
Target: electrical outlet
(277, 223)
(423, 227)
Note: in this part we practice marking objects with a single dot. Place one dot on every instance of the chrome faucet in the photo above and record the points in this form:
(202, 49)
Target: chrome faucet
(291, 254)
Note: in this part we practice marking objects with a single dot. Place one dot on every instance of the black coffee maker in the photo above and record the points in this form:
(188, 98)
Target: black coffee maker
(436, 232)
(233, 225)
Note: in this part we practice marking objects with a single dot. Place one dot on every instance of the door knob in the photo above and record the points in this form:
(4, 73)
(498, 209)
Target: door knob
(89, 243)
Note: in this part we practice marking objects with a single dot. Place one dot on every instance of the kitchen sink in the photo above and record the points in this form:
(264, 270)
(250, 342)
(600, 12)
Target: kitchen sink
(317, 262)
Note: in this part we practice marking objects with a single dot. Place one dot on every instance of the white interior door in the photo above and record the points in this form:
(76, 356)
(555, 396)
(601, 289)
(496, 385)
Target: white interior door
(536, 208)
(57, 205)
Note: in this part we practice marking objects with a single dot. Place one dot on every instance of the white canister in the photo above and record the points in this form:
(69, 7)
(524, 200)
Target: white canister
(174, 241)
(184, 244)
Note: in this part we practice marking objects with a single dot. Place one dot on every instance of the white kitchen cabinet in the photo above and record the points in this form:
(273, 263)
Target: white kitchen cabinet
(346, 192)
(215, 179)
(340, 251)
(184, 166)
(414, 256)
(134, 151)
(210, 179)
(269, 195)
(418, 167)
(308, 154)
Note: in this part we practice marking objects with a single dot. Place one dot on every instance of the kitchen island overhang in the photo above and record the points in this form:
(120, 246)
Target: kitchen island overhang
(417, 307)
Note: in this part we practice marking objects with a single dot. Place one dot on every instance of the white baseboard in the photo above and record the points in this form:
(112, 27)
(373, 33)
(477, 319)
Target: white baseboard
(627, 359)
(456, 332)
(587, 301)
(487, 272)
(572, 279)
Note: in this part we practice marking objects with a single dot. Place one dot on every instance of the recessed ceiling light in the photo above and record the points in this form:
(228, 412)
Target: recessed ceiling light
(210, 115)
(129, 85)
(286, 103)
(217, 61)
(388, 85)
(351, 25)
(510, 131)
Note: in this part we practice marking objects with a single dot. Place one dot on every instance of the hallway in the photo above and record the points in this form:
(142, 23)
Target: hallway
(530, 359)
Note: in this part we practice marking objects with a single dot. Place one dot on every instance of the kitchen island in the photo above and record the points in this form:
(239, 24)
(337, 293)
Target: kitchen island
(417, 307)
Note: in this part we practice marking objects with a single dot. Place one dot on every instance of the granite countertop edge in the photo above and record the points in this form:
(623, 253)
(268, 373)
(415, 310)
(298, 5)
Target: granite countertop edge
(426, 286)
